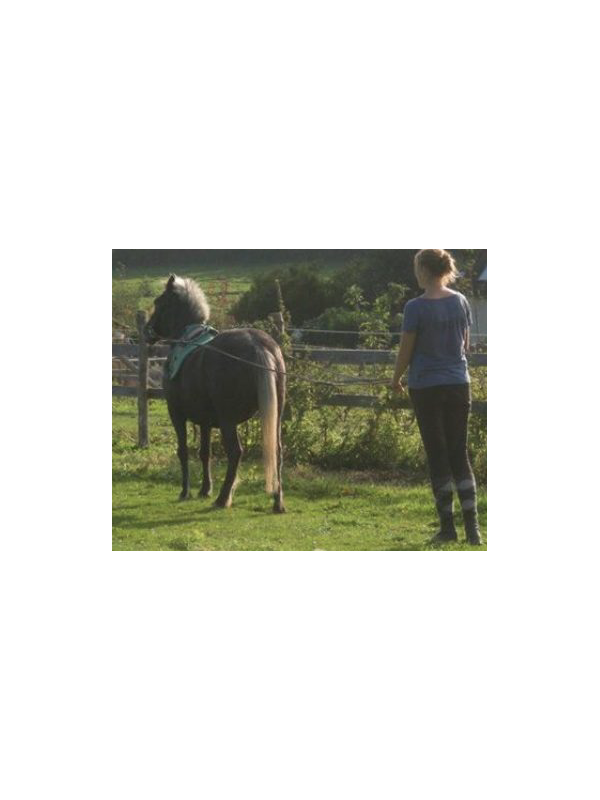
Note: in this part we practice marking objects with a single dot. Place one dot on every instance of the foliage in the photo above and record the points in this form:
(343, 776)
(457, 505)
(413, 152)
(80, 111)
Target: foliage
(305, 289)
(385, 439)
(383, 314)
(367, 319)
(375, 271)
(164, 261)
(309, 291)
(372, 270)
(335, 319)
(130, 296)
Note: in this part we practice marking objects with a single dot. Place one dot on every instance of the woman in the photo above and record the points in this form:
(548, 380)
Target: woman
(435, 339)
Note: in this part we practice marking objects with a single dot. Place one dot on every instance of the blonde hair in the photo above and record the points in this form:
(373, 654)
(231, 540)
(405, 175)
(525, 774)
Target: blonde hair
(437, 264)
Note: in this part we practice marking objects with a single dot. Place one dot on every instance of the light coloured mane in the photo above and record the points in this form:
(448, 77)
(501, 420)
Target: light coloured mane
(193, 296)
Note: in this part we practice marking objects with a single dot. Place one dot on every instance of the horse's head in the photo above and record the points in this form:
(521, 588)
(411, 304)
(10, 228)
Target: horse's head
(182, 303)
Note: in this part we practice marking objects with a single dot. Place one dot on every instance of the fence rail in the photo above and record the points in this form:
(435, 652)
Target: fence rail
(339, 356)
(368, 401)
(365, 332)
(328, 355)
(137, 357)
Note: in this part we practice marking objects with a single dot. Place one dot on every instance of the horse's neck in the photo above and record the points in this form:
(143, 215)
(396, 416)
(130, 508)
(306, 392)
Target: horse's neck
(191, 323)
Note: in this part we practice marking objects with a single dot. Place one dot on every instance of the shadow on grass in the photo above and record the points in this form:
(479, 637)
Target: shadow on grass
(125, 522)
(179, 543)
(147, 477)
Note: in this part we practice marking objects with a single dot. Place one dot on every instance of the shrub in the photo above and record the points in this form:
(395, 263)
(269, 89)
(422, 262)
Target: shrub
(308, 293)
(335, 319)
(386, 440)
(305, 290)
(368, 320)
(376, 271)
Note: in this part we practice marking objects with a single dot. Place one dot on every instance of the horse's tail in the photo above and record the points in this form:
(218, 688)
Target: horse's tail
(269, 414)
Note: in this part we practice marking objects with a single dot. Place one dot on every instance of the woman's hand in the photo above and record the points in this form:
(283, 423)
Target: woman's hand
(397, 387)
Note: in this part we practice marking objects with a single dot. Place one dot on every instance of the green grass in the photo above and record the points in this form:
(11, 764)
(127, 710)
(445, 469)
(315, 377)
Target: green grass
(137, 287)
(238, 279)
(326, 510)
(213, 278)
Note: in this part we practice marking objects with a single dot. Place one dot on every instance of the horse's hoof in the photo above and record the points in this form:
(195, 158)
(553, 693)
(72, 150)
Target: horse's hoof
(185, 496)
(204, 493)
(279, 509)
(222, 504)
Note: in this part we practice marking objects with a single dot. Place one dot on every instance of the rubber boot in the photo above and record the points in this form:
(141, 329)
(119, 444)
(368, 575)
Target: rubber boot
(467, 494)
(444, 502)
(446, 534)
(472, 527)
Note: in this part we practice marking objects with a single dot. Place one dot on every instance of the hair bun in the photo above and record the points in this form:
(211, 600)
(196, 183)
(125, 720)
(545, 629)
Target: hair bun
(438, 263)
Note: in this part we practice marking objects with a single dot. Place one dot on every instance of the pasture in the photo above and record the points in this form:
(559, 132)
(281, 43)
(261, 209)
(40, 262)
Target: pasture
(327, 510)
(135, 287)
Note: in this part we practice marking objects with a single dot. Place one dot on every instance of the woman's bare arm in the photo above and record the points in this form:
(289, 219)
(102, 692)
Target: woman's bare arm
(407, 346)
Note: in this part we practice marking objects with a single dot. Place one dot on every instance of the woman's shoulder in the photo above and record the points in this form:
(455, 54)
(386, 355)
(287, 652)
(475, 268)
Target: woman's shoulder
(412, 307)
(460, 297)
(421, 300)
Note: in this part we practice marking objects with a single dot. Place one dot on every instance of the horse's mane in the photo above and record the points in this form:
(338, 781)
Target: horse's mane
(193, 297)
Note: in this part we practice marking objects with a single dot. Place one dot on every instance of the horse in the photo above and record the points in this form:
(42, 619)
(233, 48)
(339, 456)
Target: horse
(220, 385)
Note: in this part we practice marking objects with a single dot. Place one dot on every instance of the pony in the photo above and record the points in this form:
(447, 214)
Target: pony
(220, 385)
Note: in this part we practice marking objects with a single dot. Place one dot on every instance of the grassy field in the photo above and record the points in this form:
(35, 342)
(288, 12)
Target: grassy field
(238, 279)
(326, 510)
(238, 273)
(135, 288)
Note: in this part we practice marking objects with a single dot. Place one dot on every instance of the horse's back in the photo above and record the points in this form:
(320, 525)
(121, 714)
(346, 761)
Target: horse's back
(219, 381)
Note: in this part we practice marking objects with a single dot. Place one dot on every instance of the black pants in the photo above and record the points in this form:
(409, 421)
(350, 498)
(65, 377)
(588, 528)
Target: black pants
(442, 414)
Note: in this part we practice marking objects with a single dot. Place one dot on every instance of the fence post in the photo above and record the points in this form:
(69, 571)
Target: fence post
(278, 321)
(142, 381)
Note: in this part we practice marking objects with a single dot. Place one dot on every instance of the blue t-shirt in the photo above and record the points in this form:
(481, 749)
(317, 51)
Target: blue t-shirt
(439, 355)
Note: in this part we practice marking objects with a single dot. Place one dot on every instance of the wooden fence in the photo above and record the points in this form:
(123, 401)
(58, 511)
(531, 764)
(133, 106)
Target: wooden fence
(136, 358)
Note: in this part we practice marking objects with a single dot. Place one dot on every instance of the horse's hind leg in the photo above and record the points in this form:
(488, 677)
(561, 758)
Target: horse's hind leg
(181, 430)
(205, 458)
(233, 448)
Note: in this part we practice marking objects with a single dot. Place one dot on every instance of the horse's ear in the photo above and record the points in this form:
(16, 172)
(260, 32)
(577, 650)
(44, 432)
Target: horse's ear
(171, 281)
